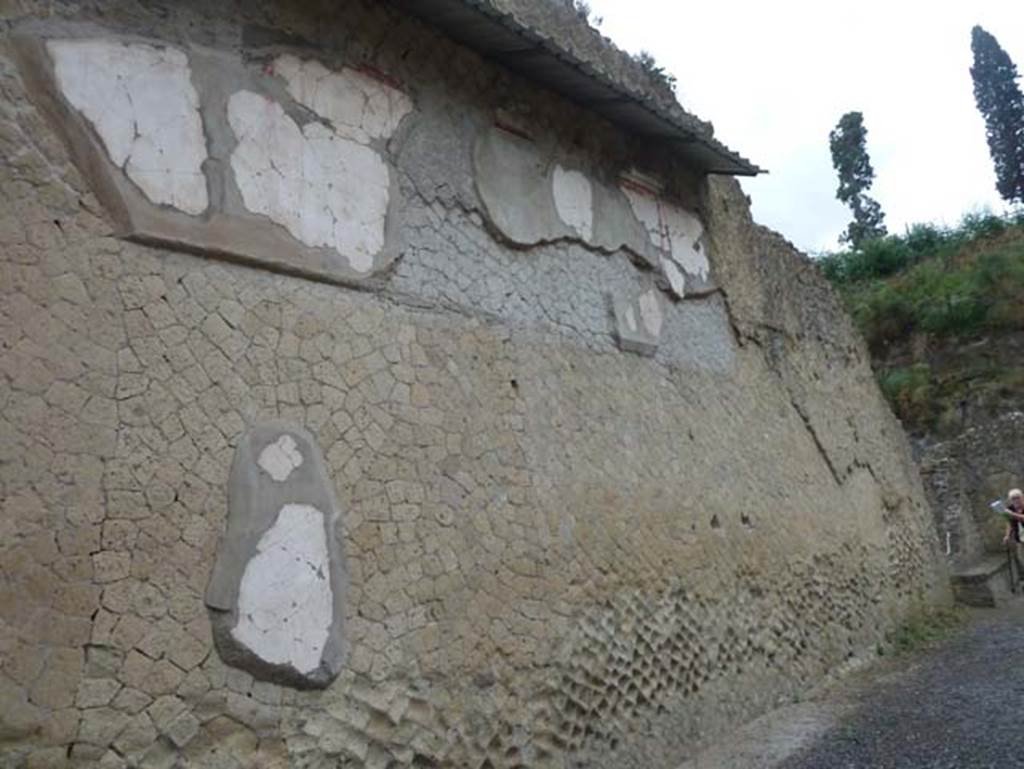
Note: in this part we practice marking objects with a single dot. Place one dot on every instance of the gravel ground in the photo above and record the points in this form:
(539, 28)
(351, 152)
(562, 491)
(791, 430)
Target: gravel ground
(959, 706)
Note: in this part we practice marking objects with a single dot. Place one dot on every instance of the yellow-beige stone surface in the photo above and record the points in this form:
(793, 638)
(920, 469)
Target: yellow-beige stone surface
(559, 553)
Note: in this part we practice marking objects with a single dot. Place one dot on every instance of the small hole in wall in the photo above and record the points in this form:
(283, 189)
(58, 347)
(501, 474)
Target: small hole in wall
(514, 383)
(746, 520)
(58, 224)
(715, 523)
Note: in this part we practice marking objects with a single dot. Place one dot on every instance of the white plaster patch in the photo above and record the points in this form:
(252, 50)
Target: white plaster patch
(675, 276)
(574, 200)
(142, 104)
(359, 107)
(650, 312)
(279, 458)
(285, 603)
(326, 190)
(684, 233)
(671, 229)
(645, 208)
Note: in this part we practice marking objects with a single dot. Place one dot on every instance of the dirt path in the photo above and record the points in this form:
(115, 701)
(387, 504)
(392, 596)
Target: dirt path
(957, 706)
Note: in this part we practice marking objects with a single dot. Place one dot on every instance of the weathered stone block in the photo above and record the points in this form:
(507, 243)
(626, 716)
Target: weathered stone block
(638, 321)
(93, 692)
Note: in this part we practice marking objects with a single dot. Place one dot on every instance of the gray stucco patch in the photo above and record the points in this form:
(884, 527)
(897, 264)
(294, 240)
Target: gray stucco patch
(511, 178)
(519, 183)
(277, 588)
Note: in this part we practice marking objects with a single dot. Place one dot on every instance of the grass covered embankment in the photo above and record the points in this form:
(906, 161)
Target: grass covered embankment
(942, 310)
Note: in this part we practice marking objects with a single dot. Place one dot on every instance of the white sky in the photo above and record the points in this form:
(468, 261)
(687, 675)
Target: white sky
(774, 78)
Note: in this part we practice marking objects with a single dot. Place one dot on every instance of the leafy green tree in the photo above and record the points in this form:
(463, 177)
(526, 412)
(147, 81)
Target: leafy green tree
(848, 142)
(1000, 102)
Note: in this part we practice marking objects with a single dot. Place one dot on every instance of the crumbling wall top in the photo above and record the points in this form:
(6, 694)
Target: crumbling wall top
(551, 42)
(559, 22)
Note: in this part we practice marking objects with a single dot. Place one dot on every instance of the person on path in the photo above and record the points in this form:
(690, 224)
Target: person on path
(1015, 505)
(1014, 528)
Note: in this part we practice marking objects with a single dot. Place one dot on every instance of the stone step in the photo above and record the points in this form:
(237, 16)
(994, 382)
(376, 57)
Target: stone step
(986, 583)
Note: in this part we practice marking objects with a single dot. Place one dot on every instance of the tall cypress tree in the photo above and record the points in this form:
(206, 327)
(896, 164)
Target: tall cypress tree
(1000, 102)
(848, 142)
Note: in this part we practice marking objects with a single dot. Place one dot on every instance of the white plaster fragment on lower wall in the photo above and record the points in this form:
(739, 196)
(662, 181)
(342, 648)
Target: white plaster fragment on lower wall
(574, 200)
(324, 189)
(360, 107)
(676, 278)
(279, 458)
(650, 312)
(285, 603)
(141, 102)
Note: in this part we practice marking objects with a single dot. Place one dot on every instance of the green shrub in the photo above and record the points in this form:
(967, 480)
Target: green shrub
(984, 224)
(923, 628)
(948, 283)
(893, 254)
(882, 312)
(911, 391)
(926, 240)
(946, 302)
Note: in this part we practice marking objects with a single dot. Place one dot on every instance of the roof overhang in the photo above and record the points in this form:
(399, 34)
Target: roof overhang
(502, 38)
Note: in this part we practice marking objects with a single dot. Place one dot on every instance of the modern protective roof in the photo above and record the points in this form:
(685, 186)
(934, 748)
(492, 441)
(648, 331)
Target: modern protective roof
(549, 60)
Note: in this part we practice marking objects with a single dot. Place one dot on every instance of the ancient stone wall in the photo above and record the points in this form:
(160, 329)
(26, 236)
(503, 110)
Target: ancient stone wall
(312, 319)
(967, 472)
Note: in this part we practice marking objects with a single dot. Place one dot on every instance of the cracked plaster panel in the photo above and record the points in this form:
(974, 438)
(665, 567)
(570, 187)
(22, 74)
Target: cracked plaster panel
(511, 177)
(678, 235)
(284, 600)
(675, 277)
(359, 107)
(326, 190)
(141, 102)
(685, 237)
(275, 595)
(227, 229)
(531, 200)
